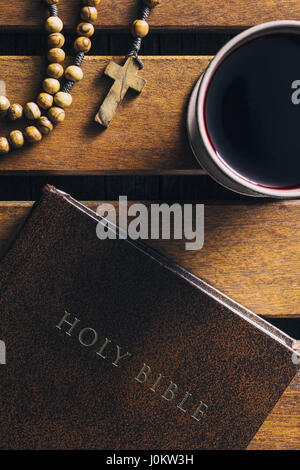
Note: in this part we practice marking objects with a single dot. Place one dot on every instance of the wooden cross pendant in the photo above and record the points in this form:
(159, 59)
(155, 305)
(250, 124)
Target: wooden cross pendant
(125, 77)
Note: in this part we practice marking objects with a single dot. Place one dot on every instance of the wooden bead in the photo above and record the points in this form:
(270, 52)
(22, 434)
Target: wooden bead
(82, 44)
(4, 145)
(56, 55)
(140, 28)
(63, 100)
(91, 3)
(55, 70)
(16, 139)
(51, 85)
(32, 111)
(44, 100)
(88, 13)
(74, 73)
(152, 3)
(15, 112)
(32, 134)
(4, 105)
(56, 115)
(44, 125)
(53, 24)
(56, 40)
(85, 29)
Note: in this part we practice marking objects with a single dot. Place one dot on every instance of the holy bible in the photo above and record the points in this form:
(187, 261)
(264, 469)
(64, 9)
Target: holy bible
(109, 345)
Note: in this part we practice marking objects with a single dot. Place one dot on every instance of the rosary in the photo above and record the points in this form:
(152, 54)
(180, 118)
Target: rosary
(56, 96)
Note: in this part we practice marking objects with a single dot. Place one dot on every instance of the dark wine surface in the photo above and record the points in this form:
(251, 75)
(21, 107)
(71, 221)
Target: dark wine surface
(252, 110)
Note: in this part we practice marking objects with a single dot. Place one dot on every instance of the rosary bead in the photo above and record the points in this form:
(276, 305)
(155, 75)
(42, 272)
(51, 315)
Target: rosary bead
(74, 73)
(152, 3)
(140, 28)
(15, 112)
(51, 85)
(32, 134)
(56, 40)
(53, 24)
(32, 111)
(16, 139)
(4, 145)
(45, 101)
(56, 115)
(91, 3)
(45, 126)
(85, 29)
(64, 100)
(82, 44)
(4, 105)
(88, 13)
(56, 55)
(55, 70)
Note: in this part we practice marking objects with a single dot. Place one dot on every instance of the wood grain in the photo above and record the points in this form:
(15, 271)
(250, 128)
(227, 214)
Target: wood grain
(251, 251)
(148, 134)
(124, 78)
(171, 14)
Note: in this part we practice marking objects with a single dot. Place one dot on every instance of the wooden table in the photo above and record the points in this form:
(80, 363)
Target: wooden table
(157, 145)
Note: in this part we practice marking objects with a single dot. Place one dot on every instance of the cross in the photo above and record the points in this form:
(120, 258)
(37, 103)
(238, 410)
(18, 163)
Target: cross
(125, 77)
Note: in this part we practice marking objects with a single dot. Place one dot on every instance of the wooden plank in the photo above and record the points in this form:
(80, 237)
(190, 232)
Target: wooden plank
(281, 430)
(148, 134)
(251, 252)
(179, 14)
(249, 249)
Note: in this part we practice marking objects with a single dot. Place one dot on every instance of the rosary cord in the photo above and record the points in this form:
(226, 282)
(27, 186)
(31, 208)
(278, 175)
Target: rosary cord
(136, 45)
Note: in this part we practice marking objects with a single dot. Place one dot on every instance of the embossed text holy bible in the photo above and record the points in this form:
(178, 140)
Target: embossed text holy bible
(111, 346)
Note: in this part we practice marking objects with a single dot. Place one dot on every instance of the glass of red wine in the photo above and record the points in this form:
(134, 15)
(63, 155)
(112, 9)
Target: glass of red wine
(244, 112)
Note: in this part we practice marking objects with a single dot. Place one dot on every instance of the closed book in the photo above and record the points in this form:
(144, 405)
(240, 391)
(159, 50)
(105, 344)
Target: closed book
(109, 345)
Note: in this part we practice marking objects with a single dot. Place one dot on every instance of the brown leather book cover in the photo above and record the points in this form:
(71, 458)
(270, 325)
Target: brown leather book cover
(111, 346)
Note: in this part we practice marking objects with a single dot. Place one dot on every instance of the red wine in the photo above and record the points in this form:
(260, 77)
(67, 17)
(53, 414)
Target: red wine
(250, 116)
